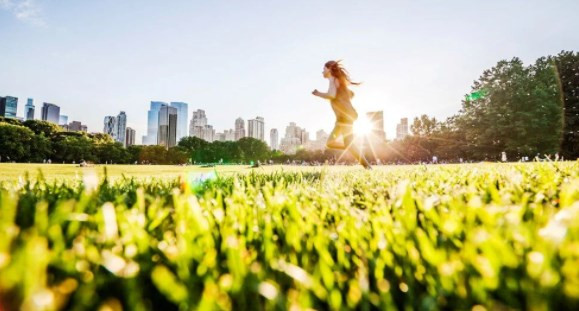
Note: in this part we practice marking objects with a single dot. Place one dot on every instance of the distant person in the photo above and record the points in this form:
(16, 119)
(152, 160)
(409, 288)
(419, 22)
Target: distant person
(340, 97)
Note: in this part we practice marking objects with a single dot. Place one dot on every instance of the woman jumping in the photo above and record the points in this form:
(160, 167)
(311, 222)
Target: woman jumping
(340, 96)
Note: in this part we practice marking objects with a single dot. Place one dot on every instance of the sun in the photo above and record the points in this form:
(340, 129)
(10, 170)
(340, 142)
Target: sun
(363, 126)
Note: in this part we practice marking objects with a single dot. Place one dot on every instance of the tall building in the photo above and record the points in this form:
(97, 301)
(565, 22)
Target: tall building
(239, 129)
(377, 120)
(62, 120)
(255, 128)
(167, 133)
(121, 126)
(29, 110)
(182, 116)
(50, 113)
(402, 128)
(110, 126)
(319, 143)
(229, 135)
(130, 137)
(8, 107)
(295, 138)
(199, 128)
(153, 123)
(273, 139)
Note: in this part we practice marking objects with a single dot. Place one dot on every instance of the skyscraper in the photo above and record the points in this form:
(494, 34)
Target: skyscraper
(182, 116)
(295, 137)
(274, 138)
(239, 128)
(121, 126)
(377, 120)
(167, 133)
(255, 128)
(110, 126)
(402, 129)
(199, 128)
(130, 137)
(8, 107)
(29, 110)
(50, 113)
(62, 120)
(153, 123)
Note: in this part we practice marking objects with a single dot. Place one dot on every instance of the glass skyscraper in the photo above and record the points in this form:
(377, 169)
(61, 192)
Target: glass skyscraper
(121, 127)
(153, 123)
(50, 113)
(167, 133)
(29, 110)
(8, 106)
(182, 115)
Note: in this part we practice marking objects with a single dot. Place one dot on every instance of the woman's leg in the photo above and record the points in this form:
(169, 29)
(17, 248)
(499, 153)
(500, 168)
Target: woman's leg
(333, 142)
(353, 149)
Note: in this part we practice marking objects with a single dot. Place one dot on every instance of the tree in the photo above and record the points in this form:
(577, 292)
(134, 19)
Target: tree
(73, 147)
(153, 155)
(177, 155)
(253, 149)
(14, 142)
(567, 66)
(43, 127)
(424, 125)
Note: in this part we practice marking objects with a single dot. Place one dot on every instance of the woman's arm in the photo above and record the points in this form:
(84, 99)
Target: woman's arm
(332, 90)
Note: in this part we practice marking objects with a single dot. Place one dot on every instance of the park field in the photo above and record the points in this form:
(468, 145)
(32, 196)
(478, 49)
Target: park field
(487, 236)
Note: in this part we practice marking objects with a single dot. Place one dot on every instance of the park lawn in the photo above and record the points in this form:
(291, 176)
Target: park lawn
(12, 172)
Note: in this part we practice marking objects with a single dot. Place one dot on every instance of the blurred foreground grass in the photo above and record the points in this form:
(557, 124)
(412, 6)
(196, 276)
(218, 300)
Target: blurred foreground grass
(484, 236)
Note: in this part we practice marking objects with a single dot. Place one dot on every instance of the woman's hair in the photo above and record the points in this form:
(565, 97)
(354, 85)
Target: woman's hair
(340, 73)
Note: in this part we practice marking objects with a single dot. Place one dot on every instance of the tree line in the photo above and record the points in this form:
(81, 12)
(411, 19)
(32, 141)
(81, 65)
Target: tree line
(40, 141)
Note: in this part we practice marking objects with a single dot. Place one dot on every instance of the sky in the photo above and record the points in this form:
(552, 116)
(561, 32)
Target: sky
(263, 58)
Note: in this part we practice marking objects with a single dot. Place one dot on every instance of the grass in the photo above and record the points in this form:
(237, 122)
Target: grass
(482, 236)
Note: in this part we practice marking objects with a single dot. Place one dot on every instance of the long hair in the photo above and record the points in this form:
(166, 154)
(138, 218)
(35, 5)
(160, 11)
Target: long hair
(340, 73)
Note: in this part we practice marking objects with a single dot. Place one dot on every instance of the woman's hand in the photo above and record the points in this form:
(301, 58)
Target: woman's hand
(316, 92)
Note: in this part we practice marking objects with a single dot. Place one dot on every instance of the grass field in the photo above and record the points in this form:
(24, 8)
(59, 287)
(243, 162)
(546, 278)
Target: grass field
(10, 172)
(467, 237)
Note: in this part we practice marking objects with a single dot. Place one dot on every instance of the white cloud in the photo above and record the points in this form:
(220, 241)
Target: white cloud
(26, 11)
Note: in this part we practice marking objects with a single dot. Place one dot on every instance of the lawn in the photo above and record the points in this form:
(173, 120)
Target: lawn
(430, 237)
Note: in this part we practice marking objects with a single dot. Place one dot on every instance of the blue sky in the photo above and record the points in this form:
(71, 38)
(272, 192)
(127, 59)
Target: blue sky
(249, 58)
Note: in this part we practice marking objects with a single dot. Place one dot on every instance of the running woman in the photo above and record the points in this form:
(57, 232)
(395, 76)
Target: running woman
(340, 96)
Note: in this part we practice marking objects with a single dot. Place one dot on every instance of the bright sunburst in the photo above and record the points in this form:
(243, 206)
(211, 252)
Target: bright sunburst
(363, 126)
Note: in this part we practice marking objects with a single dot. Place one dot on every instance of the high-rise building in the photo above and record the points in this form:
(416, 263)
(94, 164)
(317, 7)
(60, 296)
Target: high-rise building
(8, 107)
(274, 139)
(377, 120)
(402, 128)
(153, 123)
(167, 133)
(29, 110)
(110, 126)
(239, 129)
(50, 113)
(182, 116)
(295, 138)
(130, 137)
(319, 143)
(76, 126)
(62, 120)
(199, 128)
(255, 128)
(121, 126)
(229, 135)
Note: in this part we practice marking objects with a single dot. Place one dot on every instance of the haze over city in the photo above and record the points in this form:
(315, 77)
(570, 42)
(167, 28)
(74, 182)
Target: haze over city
(254, 58)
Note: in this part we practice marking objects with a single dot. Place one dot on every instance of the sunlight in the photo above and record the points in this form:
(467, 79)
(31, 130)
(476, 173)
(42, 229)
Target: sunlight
(363, 126)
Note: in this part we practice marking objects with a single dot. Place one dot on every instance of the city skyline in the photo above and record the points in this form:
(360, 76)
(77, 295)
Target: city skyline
(118, 133)
(412, 58)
